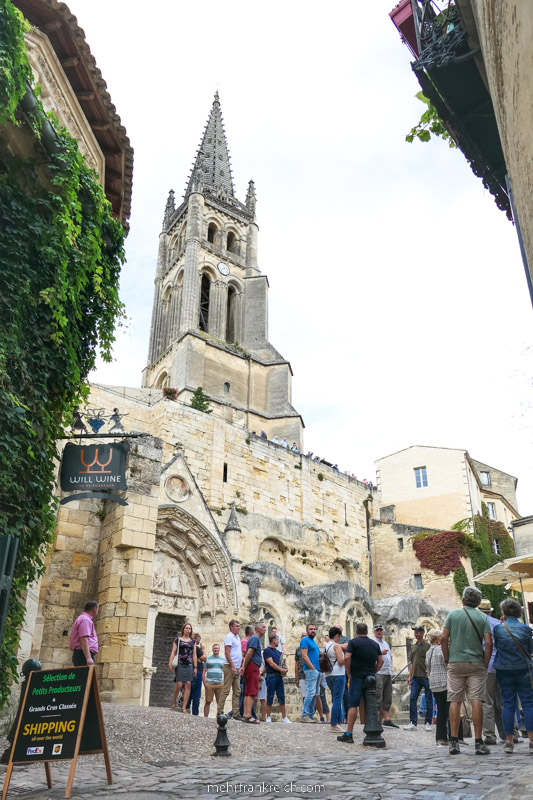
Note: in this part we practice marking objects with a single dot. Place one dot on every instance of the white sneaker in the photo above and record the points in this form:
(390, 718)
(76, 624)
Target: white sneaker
(285, 719)
(428, 726)
(409, 727)
(268, 719)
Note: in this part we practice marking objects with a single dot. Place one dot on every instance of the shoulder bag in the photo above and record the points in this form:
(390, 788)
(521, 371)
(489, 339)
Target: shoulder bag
(324, 662)
(524, 653)
(175, 660)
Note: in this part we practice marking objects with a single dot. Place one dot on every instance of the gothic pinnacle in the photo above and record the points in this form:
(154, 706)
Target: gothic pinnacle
(233, 523)
(169, 208)
(250, 197)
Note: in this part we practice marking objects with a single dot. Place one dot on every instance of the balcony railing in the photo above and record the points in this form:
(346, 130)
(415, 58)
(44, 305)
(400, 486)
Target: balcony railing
(422, 24)
(449, 75)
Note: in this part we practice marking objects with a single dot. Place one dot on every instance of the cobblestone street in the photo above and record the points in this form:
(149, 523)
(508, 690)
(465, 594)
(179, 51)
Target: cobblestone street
(309, 763)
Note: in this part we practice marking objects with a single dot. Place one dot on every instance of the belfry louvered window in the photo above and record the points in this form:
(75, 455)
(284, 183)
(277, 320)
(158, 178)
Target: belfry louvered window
(205, 290)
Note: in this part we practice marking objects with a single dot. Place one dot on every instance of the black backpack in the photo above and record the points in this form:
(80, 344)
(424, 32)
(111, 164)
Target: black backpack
(324, 661)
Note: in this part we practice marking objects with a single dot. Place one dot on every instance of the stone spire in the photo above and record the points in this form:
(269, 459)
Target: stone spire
(233, 523)
(212, 168)
(169, 208)
(250, 198)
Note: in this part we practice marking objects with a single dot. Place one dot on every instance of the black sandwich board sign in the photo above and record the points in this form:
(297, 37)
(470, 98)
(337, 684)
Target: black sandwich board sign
(94, 470)
(60, 719)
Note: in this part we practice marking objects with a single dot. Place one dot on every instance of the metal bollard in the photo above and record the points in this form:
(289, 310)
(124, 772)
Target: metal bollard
(222, 743)
(373, 728)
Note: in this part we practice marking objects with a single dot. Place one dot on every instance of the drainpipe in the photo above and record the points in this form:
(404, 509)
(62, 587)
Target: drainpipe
(249, 393)
(368, 543)
(520, 240)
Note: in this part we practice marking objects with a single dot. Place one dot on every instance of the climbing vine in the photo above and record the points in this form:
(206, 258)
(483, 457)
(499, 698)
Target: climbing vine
(15, 68)
(61, 253)
(471, 538)
(430, 124)
(486, 532)
(441, 552)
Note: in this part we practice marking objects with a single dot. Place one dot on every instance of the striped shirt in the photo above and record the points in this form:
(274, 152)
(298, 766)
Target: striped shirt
(213, 669)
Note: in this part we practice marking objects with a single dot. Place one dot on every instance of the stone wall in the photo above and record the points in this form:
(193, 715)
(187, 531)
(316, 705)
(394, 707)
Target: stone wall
(399, 603)
(261, 477)
(104, 551)
(505, 32)
(523, 535)
(126, 552)
(395, 564)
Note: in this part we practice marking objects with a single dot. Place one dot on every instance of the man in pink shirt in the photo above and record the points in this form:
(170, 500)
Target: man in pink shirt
(83, 639)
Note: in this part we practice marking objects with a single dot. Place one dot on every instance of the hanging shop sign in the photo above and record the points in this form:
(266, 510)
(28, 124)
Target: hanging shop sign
(94, 470)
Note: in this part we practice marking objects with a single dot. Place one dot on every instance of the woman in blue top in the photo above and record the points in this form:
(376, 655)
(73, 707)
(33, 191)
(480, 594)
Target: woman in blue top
(513, 664)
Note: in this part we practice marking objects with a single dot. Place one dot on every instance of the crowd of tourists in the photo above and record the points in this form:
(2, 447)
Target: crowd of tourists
(295, 448)
(475, 657)
(254, 675)
(251, 673)
(480, 658)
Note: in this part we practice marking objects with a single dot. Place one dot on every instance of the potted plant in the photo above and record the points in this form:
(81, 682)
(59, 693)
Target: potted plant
(169, 393)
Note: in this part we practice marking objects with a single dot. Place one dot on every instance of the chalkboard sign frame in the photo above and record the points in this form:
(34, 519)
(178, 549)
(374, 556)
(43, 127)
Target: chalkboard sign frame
(88, 730)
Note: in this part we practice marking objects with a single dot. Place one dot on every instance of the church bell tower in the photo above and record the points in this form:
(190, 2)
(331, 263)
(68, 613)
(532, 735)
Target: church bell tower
(210, 313)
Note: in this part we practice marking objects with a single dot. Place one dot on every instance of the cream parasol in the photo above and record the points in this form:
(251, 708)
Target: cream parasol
(513, 573)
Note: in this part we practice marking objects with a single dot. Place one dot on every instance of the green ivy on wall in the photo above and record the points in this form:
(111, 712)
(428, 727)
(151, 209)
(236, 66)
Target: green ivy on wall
(483, 555)
(15, 69)
(61, 253)
(442, 552)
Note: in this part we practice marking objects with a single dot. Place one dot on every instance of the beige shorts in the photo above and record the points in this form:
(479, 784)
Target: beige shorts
(466, 678)
(210, 690)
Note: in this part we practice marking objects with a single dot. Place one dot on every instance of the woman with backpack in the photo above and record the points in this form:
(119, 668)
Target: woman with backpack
(332, 664)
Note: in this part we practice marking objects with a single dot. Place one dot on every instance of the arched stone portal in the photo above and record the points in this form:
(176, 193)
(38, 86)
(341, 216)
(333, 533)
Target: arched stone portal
(192, 580)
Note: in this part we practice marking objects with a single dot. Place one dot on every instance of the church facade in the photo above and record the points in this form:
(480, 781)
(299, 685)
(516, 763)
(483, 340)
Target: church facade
(220, 522)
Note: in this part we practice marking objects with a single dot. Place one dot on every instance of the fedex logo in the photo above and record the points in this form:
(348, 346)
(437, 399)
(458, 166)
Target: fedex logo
(35, 751)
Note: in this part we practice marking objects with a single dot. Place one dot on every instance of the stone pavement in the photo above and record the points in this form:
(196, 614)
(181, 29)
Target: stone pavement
(357, 773)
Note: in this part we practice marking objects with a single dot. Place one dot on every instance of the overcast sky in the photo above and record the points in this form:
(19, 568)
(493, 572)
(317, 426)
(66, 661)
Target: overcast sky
(397, 291)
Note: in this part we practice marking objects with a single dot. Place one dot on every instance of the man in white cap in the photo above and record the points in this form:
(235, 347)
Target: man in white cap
(492, 705)
(418, 679)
